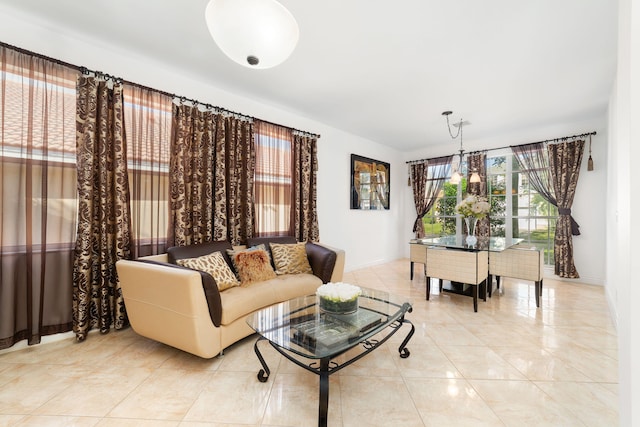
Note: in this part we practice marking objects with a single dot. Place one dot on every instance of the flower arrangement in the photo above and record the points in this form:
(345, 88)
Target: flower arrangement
(338, 297)
(473, 206)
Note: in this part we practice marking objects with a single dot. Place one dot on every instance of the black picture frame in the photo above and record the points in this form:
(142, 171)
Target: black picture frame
(370, 183)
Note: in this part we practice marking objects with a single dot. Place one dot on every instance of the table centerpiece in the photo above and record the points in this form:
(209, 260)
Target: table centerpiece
(472, 208)
(338, 298)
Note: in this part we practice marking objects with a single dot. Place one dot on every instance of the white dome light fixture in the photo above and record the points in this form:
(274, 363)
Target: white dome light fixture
(254, 33)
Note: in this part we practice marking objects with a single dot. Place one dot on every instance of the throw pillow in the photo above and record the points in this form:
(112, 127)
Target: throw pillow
(290, 258)
(232, 254)
(253, 266)
(216, 266)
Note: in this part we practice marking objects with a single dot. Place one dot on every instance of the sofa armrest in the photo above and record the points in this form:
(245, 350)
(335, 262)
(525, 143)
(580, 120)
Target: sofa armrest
(322, 260)
(209, 286)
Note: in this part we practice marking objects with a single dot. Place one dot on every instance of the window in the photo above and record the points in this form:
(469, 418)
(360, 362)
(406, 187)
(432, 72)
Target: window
(517, 210)
(273, 188)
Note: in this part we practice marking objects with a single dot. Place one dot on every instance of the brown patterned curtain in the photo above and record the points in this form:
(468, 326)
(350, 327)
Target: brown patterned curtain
(427, 180)
(38, 204)
(103, 235)
(239, 159)
(147, 115)
(419, 173)
(191, 175)
(564, 161)
(305, 188)
(477, 162)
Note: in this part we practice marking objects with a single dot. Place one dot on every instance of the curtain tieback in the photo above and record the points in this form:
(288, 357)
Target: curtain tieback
(575, 228)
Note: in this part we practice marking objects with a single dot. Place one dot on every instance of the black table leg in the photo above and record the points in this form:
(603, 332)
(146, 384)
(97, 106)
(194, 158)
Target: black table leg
(403, 350)
(475, 298)
(263, 374)
(323, 407)
(411, 270)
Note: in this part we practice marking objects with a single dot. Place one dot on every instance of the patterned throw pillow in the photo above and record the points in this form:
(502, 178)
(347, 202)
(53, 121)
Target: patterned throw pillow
(253, 266)
(290, 258)
(216, 266)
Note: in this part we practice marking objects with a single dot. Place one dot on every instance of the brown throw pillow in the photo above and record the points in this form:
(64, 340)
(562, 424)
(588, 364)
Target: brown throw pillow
(233, 252)
(290, 258)
(216, 266)
(253, 266)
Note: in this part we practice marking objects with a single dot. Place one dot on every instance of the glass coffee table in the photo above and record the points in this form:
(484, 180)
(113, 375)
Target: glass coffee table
(304, 334)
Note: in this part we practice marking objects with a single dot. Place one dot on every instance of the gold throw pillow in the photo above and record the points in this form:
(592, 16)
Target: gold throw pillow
(290, 258)
(216, 266)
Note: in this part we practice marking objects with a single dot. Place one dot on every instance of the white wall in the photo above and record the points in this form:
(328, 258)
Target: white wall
(367, 237)
(588, 209)
(623, 233)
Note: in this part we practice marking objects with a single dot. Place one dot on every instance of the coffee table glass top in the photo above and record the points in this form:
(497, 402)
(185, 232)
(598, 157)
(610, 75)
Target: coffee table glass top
(300, 326)
(458, 241)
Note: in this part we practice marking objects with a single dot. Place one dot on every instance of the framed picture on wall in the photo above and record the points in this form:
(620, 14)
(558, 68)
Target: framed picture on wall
(370, 183)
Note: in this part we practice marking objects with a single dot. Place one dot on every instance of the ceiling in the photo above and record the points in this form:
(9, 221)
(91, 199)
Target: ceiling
(385, 70)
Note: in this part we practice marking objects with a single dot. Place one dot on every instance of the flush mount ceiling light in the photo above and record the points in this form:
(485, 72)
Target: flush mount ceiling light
(253, 33)
(456, 176)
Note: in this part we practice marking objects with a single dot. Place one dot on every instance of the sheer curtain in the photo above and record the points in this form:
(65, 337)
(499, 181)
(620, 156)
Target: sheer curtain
(274, 188)
(147, 118)
(104, 220)
(37, 196)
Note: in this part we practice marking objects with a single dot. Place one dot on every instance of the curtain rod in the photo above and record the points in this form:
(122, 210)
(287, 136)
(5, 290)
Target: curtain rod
(85, 70)
(564, 138)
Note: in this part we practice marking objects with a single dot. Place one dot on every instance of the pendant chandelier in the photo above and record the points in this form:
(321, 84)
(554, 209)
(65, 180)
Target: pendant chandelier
(253, 33)
(456, 176)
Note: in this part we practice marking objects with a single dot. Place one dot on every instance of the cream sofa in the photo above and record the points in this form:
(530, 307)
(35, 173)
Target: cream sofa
(183, 308)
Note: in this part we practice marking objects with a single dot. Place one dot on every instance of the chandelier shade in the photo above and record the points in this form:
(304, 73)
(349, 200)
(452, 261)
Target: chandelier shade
(254, 33)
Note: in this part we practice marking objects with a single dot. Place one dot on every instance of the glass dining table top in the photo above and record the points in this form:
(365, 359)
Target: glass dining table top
(458, 241)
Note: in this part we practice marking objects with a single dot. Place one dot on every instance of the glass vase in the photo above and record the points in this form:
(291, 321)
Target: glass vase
(471, 239)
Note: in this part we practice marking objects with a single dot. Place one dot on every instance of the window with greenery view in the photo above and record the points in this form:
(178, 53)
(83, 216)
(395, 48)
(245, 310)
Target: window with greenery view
(517, 210)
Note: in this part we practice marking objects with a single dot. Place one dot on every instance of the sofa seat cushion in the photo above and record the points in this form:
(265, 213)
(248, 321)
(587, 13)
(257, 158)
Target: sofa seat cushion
(240, 301)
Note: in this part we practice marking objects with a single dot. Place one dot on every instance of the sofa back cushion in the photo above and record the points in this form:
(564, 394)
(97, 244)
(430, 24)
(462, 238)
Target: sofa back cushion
(254, 241)
(193, 251)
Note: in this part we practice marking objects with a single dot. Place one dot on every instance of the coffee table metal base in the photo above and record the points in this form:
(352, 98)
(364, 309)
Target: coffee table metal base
(325, 367)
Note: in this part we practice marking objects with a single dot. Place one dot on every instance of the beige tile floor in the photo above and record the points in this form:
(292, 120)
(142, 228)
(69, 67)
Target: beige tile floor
(509, 364)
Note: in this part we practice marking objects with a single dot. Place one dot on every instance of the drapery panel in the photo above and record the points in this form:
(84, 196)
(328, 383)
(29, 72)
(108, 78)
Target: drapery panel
(477, 162)
(240, 165)
(427, 181)
(305, 188)
(419, 186)
(38, 204)
(211, 177)
(147, 118)
(564, 162)
(191, 175)
(103, 235)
